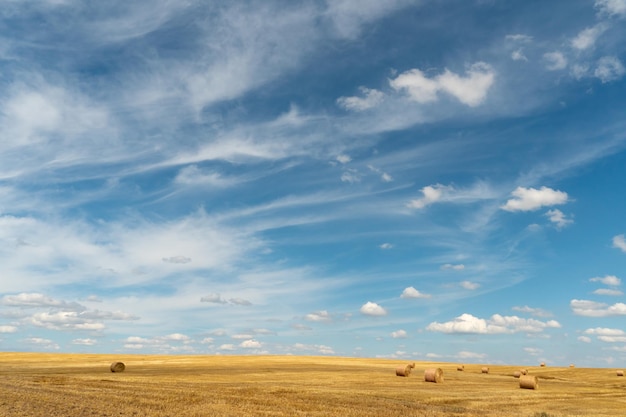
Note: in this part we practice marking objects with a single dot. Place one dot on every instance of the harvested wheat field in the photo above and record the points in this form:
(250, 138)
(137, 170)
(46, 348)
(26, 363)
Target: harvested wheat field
(83, 385)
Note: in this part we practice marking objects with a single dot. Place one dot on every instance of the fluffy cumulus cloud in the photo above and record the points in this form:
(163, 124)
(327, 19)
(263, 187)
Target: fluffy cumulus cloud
(370, 98)
(497, 324)
(318, 316)
(608, 335)
(469, 285)
(609, 69)
(619, 242)
(470, 89)
(411, 292)
(611, 280)
(595, 309)
(399, 334)
(529, 199)
(431, 194)
(372, 309)
(8, 329)
(559, 219)
(250, 344)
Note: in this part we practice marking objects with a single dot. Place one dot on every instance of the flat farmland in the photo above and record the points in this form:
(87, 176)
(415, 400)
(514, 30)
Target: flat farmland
(33, 384)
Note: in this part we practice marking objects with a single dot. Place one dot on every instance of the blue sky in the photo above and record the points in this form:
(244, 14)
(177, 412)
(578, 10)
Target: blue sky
(436, 180)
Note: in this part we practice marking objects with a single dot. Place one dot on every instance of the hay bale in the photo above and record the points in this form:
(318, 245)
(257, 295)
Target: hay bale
(404, 370)
(543, 364)
(484, 370)
(433, 375)
(620, 373)
(524, 371)
(460, 368)
(571, 365)
(517, 374)
(118, 367)
(412, 365)
(528, 382)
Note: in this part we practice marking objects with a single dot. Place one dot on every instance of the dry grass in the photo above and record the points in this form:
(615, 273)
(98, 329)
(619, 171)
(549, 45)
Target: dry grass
(37, 385)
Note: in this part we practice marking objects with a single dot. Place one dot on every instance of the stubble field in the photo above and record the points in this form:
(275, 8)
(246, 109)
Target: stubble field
(53, 385)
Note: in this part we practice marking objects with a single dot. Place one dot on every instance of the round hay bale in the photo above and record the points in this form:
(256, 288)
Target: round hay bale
(528, 382)
(517, 374)
(412, 365)
(620, 373)
(524, 371)
(460, 368)
(571, 365)
(543, 364)
(484, 370)
(433, 375)
(403, 370)
(118, 367)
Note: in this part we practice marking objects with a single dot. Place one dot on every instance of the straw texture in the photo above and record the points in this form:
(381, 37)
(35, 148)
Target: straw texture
(118, 367)
(433, 375)
(528, 382)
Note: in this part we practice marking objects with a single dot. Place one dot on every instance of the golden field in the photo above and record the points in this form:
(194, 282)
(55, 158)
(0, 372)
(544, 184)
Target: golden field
(33, 384)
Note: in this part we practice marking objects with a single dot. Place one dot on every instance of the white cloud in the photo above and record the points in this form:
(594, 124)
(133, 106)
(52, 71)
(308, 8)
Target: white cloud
(385, 246)
(518, 55)
(619, 242)
(8, 329)
(557, 217)
(468, 285)
(350, 176)
(470, 89)
(470, 355)
(38, 300)
(609, 69)
(411, 292)
(608, 291)
(250, 344)
(584, 339)
(533, 351)
(457, 267)
(417, 85)
(227, 346)
(529, 199)
(537, 312)
(519, 38)
(176, 337)
(587, 38)
(84, 342)
(192, 175)
(467, 323)
(399, 334)
(319, 316)
(594, 309)
(344, 159)
(555, 61)
(322, 349)
(371, 98)
(432, 194)
(44, 343)
(372, 309)
(611, 280)
(612, 339)
(604, 331)
(611, 7)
